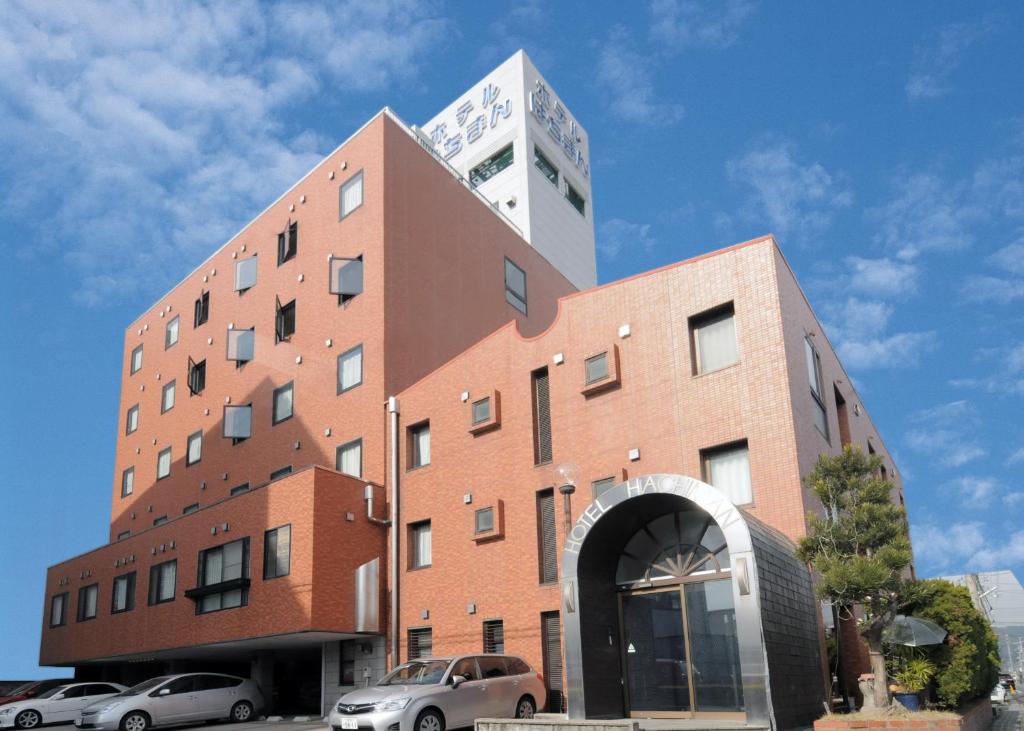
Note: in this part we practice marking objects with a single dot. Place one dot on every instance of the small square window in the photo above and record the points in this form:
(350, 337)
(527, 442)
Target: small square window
(420, 548)
(601, 372)
(600, 487)
(345, 277)
(284, 326)
(351, 195)
(279, 473)
(163, 463)
(202, 310)
(597, 368)
(481, 410)
(241, 345)
(484, 520)
(515, 286)
(349, 458)
(167, 397)
(239, 489)
(131, 422)
(713, 335)
(548, 170)
(578, 201)
(238, 421)
(288, 243)
(419, 445)
(196, 377)
(245, 274)
(128, 482)
(283, 404)
(350, 369)
(194, 453)
(171, 333)
(136, 364)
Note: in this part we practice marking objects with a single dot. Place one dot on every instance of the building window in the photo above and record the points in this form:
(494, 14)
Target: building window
(419, 445)
(131, 423)
(515, 286)
(350, 369)
(349, 458)
(547, 542)
(122, 598)
(283, 403)
(189, 509)
(420, 545)
(541, 417)
(578, 202)
(162, 580)
(239, 489)
(345, 277)
(167, 397)
(817, 386)
(59, 610)
(202, 310)
(347, 662)
(171, 333)
(277, 552)
(136, 364)
(123, 534)
(194, 451)
(494, 637)
(728, 469)
(196, 377)
(551, 647)
(238, 422)
(351, 195)
(484, 521)
(288, 243)
(88, 597)
(284, 321)
(600, 487)
(281, 472)
(159, 521)
(596, 368)
(224, 567)
(544, 165)
(713, 336)
(492, 166)
(241, 345)
(421, 643)
(128, 482)
(481, 410)
(163, 463)
(245, 274)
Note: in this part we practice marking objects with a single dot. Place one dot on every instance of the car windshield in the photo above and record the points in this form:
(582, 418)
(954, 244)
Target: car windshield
(426, 672)
(52, 692)
(147, 685)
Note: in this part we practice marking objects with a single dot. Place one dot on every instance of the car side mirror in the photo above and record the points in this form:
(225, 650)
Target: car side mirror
(164, 691)
(458, 680)
(59, 697)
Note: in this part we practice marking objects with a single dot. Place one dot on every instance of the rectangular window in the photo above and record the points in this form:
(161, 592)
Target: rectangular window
(515, 286)
(817, 386)
(350, 196)
(713, 336)
(220, 565)
(238, 422)
(279, 473)
(547, 543)
(59, 610)
(159, 521)
(350, 369)
(239, 489)
(131, 422)
(596, 368)
(136, 365)
(283, 403)
(544, 165)
(481, 410)
(600, 487)
(345, 277)
(492, 166)
(201, 310)
(196, 377)
(484, 520)
(420, 548)
(188, 509)
(167, 397)
(277, 552)
(123, 534)
(284, 321)
(728, 469)
(122, 597)
(578, 201)
(241, 345)
(163, 463)
(349, 458)
(245, 274)
(541, 417)
(419, 445)
(171, 333)
(288, 243)
(494, 636)
(551, 646)
(128, 482)
(162, 580)
(88, 597)
(194, 451)
(421, 643)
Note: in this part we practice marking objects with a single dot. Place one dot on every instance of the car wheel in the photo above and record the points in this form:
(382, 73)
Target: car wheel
(525, 707)
(429, 720)
(27, 719)
(135, 721)
(241, 712)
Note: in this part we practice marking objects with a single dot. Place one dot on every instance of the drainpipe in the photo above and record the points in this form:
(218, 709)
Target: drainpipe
(393, 411)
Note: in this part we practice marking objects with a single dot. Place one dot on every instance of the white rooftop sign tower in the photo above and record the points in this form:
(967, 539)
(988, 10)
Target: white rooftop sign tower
(512, 137)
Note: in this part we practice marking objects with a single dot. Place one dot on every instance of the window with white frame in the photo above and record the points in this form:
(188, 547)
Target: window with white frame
(420, 548)
(596, 368)
(714, 339)
(350, 196)
(171, 333)
(194, 452)
(728, 469)
(515, 286)
(163, 463)
(350, 369)
(349, 458)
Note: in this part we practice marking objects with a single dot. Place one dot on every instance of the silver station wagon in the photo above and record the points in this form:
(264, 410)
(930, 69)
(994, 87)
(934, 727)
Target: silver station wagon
(175, 699)
(435, 693)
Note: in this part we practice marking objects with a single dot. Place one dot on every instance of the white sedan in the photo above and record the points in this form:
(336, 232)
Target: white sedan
(58, 705)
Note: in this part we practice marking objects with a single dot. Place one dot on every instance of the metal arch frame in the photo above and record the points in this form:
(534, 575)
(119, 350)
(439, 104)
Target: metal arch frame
(746, 594)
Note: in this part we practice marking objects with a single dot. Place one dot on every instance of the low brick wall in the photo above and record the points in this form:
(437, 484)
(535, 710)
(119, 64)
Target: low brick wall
(554, 724)
(975, 716)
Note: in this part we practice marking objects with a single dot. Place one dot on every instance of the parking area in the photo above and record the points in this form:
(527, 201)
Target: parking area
(311, 725)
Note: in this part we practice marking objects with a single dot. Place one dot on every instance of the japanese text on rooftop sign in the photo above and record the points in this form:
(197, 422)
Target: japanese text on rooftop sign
(560, 126)
(471, 122)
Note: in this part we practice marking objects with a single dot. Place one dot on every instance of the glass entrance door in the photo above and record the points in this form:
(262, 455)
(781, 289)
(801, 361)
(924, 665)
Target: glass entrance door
(680, 651)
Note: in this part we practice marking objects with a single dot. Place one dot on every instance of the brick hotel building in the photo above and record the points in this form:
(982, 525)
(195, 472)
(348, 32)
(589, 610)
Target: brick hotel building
(393, 416)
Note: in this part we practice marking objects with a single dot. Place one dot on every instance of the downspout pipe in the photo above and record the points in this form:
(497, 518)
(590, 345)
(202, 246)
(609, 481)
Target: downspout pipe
(393, 412)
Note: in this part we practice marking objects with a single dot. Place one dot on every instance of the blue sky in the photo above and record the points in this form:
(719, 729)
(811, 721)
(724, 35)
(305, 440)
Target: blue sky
(883, 143)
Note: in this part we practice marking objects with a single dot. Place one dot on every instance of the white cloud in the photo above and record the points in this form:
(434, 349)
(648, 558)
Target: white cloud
(882, 277)
(980, 288)
(1013, 499)
(1007, 376)
(942, 546)
(616, 235)
(679, 24)
(797, 198)
(625, 76)
(1001, 555)
(975, 492)
(936, 61)
(1016, 458)
(1010, 257)
(946, 434)
(861, 330)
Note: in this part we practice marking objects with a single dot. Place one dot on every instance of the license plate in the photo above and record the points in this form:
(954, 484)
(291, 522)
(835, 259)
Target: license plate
(349, 723)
